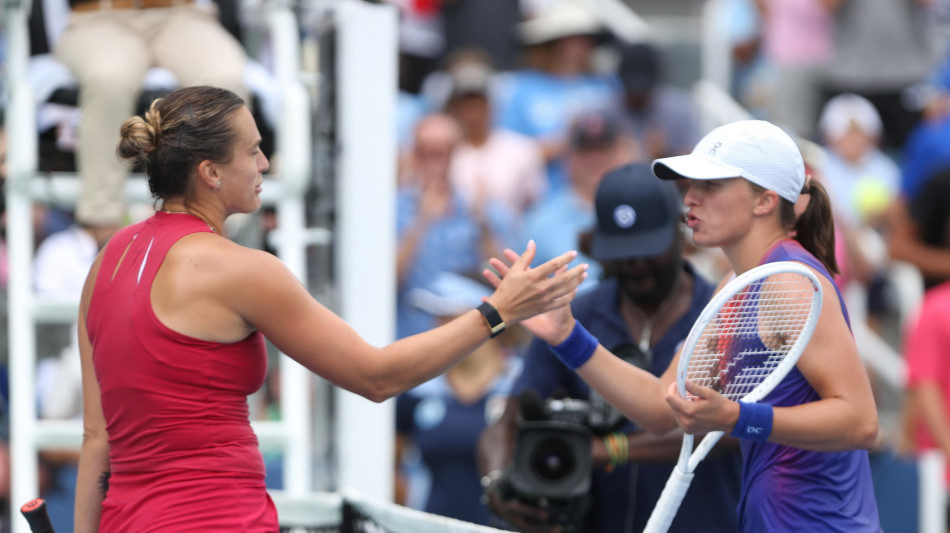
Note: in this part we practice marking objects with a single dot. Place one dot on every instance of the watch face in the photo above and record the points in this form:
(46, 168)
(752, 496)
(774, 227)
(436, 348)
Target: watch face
(603, 417)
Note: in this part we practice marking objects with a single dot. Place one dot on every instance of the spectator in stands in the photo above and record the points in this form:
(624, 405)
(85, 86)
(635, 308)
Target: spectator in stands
(928, 374)
(421, 41)
(927, 148)
(797, 43)
(60, 267)
(109, 45)
(918, 229)
(442, 418)
(740, 22)
(492, 162)
(596, 146)
(559, 80)
(918, 224)
(881, 49)
(662, 118)
(643, 310)
(489, 26)
(862, 182)
(861, 179)
(437, 230)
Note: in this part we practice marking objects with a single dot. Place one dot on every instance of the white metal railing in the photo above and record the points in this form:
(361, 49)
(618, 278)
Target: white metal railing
(24, 186)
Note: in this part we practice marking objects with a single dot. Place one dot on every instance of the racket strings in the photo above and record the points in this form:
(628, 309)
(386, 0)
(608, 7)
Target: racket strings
(751, 335)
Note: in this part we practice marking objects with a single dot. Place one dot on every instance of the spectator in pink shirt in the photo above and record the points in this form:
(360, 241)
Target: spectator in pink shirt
(798, 41)
(490, 162)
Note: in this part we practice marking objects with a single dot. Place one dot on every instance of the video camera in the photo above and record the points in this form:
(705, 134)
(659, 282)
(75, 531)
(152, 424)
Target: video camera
(552, 459)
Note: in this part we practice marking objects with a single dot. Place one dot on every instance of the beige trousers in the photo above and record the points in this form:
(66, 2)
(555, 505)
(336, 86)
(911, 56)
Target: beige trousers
(109, 51)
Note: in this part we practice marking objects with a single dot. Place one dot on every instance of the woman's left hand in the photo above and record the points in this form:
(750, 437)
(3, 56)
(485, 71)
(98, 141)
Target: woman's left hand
(706, 410)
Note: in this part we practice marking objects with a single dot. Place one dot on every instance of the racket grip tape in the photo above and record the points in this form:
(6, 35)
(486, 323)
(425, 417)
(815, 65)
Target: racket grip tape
(669, 502)
(35, 513)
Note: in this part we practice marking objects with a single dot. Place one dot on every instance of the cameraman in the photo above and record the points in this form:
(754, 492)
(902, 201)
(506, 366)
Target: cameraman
(642, 310)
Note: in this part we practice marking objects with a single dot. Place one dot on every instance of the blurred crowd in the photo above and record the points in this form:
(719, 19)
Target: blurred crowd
(510, 113)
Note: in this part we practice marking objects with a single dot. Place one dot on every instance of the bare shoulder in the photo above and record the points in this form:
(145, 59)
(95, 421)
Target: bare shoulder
(229, 271)
(221, 256)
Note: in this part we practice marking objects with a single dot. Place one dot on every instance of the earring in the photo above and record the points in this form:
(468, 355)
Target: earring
(217, 185)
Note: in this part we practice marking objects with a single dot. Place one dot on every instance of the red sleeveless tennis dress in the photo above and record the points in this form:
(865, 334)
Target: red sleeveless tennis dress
(182, 451)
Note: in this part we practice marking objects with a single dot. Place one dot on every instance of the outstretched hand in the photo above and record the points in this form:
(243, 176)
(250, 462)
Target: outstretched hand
(706, 410)
(551, 286)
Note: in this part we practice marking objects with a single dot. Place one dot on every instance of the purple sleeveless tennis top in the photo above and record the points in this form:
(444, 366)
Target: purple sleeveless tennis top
(795, 490)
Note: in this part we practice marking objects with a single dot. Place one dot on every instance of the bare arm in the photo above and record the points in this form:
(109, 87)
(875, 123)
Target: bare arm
(94, 469)
(637, 393)
(929, 399)
(845, 416)
(904, 243)
(280, 307)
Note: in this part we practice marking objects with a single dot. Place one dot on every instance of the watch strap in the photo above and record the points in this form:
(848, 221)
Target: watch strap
(493, 317)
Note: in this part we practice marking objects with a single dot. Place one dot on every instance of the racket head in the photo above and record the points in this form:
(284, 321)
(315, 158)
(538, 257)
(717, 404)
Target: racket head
(752, 332)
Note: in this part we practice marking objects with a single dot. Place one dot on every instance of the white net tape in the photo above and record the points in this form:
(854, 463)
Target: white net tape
(352, 512)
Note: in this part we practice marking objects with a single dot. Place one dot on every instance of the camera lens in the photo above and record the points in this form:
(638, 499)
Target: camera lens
(552, 460)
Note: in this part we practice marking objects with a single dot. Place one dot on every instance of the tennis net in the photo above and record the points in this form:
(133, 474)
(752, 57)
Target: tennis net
(351, 512)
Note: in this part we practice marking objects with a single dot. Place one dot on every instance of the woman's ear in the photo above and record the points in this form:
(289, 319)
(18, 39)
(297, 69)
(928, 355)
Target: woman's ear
(208, 174)
(766, 202)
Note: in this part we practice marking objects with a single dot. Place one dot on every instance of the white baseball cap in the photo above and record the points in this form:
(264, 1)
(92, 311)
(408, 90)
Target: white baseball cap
(756, 150)
(843, 110)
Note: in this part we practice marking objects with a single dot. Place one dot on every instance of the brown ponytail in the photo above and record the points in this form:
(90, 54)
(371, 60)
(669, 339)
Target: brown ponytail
(815, 228)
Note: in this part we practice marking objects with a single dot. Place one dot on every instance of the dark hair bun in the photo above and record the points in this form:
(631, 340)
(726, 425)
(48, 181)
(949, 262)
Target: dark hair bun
(140, 137)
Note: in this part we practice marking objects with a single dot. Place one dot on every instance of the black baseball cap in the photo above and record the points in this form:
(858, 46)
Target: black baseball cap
(637, 214)
(639, 69)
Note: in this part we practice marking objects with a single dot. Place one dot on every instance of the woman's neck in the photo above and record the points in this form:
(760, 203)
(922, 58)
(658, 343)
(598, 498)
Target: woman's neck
(748, 253)
(207, 214)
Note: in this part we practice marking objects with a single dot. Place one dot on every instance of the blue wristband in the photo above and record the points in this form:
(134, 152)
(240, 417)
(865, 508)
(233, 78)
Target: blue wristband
(577, 348)
(755, 422)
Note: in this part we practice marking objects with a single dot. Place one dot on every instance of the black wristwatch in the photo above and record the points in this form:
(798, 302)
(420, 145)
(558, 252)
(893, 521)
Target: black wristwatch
(493, 317)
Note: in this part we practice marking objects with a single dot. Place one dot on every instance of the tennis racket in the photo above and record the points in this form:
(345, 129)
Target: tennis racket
(746, 340)
(35, 513)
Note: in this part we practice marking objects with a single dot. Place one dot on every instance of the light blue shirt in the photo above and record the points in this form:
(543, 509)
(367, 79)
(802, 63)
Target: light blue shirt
(543, 106)
(555, 224)
(451, 244)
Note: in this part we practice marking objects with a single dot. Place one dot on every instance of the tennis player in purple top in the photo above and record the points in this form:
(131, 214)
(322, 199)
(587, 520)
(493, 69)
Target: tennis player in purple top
(808, 470)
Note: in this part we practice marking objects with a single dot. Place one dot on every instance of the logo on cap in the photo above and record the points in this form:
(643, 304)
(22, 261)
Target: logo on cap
(624, 216)
(715, 147)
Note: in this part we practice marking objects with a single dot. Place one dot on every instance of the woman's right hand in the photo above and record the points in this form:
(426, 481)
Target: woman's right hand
(540, 296)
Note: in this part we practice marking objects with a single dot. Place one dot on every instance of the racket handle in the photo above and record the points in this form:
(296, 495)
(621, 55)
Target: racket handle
(669, 501)
(35, 513)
